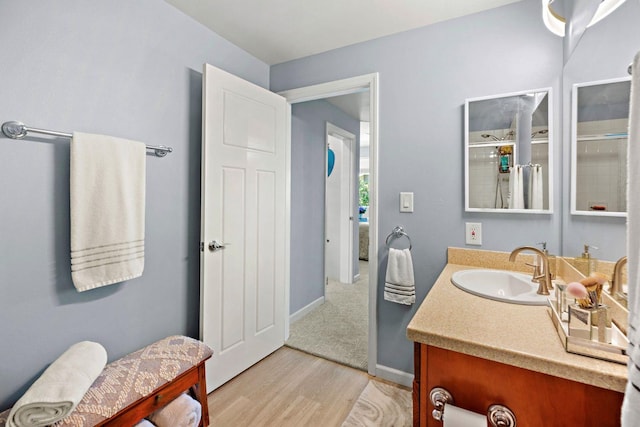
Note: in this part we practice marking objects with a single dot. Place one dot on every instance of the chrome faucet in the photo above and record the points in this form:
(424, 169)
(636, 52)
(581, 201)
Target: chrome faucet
(616, 277)
(543, 278)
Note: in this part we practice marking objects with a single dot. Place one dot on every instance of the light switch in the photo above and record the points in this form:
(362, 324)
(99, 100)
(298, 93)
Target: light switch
(406, 202)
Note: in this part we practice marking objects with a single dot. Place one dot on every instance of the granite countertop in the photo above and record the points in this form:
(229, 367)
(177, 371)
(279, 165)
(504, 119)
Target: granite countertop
(517, 335)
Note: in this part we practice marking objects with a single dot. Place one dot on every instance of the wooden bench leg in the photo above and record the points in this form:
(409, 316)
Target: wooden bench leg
(200, 394)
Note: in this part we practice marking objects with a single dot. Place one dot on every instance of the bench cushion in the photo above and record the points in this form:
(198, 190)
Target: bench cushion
(126, 380)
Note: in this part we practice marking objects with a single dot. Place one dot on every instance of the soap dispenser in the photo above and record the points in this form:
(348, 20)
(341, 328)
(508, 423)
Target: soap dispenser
(550, 258)
(586, 264)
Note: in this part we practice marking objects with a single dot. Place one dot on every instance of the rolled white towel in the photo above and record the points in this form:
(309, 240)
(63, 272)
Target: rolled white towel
(183, 411)
(145, 423)
(59, 389)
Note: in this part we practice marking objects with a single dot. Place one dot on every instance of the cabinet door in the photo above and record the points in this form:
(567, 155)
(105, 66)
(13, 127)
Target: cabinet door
(536, 399)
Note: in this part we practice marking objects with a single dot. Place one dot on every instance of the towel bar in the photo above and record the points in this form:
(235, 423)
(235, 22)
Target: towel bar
(18, 130)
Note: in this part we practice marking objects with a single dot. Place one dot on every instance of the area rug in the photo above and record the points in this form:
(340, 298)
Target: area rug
(381, 405)
(338, 329)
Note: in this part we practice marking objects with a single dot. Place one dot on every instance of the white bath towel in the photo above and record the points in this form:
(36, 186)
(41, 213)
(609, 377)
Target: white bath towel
(535, 188)
(145, 423)
(399, 283)
(631, 403)
(107, 210)
(56, 393)
(183, 411)
(516, 194)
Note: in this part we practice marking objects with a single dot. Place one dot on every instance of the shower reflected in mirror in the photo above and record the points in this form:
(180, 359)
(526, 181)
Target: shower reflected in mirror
(600, 121)
(507, 153)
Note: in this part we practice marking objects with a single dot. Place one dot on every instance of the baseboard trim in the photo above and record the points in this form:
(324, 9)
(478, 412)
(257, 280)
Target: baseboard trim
(394, 375)
(306, 310)
(356, 277)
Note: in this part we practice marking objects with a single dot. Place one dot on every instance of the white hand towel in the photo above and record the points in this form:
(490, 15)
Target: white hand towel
(183, 411)
(399, 284)
(631, 403)
(107, 210)
(56, 393)
(516, 194)
(145, 423)
(535, 188)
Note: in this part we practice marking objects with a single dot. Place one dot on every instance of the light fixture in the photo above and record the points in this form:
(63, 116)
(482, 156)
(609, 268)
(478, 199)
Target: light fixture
(555, 22)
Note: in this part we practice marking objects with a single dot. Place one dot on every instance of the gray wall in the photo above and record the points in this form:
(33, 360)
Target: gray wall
(604, 52)
(308, 142)
(124, 68)
(425, 76)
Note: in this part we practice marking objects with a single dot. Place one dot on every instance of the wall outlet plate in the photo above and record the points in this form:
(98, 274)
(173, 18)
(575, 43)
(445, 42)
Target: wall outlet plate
(473, 233)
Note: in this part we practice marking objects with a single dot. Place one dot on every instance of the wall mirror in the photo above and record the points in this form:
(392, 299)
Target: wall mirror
(508, 140)
(599, 125)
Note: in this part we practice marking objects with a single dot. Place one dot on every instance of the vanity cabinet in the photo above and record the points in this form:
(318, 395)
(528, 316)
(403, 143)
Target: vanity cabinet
(535, 398)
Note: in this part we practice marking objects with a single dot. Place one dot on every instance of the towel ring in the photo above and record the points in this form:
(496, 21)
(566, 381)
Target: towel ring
(398, 232)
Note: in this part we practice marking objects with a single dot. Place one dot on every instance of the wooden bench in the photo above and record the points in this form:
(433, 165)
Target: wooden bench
(131, 388)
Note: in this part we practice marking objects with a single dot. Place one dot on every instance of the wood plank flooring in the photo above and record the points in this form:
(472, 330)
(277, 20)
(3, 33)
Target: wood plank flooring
(288, 388)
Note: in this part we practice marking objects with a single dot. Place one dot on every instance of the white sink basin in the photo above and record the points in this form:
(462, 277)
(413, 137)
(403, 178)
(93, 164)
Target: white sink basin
(500, 285)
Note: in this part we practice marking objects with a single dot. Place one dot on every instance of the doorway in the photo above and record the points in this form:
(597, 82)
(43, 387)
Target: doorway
(366, 87)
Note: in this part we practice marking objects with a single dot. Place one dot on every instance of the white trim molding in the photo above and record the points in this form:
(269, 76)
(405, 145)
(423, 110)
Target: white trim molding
(395, 375)
(306, 310)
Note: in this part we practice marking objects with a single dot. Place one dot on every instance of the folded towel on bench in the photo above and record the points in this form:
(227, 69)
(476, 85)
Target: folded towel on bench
(183, 411)
(60, 388)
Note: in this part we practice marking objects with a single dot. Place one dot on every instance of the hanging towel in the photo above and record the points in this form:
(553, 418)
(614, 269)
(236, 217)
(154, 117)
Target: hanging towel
(107, 210)
(145, 423)
(59, 389)
(516, 195)
(183, 411)
(399, 284)
(631, 403)
(535, 188)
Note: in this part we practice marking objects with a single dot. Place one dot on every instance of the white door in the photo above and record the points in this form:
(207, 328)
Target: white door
(332, 211)
(339, 206)
(242, 283)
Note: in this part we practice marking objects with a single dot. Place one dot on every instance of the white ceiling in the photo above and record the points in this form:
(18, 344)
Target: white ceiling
(355, 105)
(277, 31)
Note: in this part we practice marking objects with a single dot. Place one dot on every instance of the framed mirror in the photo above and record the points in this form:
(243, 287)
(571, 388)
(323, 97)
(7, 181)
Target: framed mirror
(508, 153)
(599, 125)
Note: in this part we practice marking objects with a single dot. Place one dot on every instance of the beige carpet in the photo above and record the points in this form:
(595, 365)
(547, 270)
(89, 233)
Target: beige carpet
(338, 329)
(381, 405)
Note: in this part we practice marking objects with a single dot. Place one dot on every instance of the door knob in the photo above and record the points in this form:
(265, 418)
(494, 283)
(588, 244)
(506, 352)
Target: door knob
(214, 245)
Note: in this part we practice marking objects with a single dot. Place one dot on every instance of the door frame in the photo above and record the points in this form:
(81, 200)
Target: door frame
(346, 242)
(327, 90)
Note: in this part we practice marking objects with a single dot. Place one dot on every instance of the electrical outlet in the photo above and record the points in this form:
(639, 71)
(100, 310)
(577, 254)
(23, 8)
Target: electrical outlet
(473, 233)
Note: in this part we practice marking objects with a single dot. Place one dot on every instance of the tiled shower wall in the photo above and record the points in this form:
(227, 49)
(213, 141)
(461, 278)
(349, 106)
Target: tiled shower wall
(602, 174)
(488, 188)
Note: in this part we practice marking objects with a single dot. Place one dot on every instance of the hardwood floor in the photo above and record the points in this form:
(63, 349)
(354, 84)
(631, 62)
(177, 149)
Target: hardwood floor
(288, 388)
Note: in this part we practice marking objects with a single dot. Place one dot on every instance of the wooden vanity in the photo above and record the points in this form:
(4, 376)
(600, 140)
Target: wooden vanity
(487, 352)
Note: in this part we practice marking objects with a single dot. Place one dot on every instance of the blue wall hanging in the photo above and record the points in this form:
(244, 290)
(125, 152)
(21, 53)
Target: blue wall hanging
(331, 160)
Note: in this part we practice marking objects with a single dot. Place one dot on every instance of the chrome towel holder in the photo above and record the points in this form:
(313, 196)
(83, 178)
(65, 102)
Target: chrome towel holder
(396, 233)
(18, 130)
